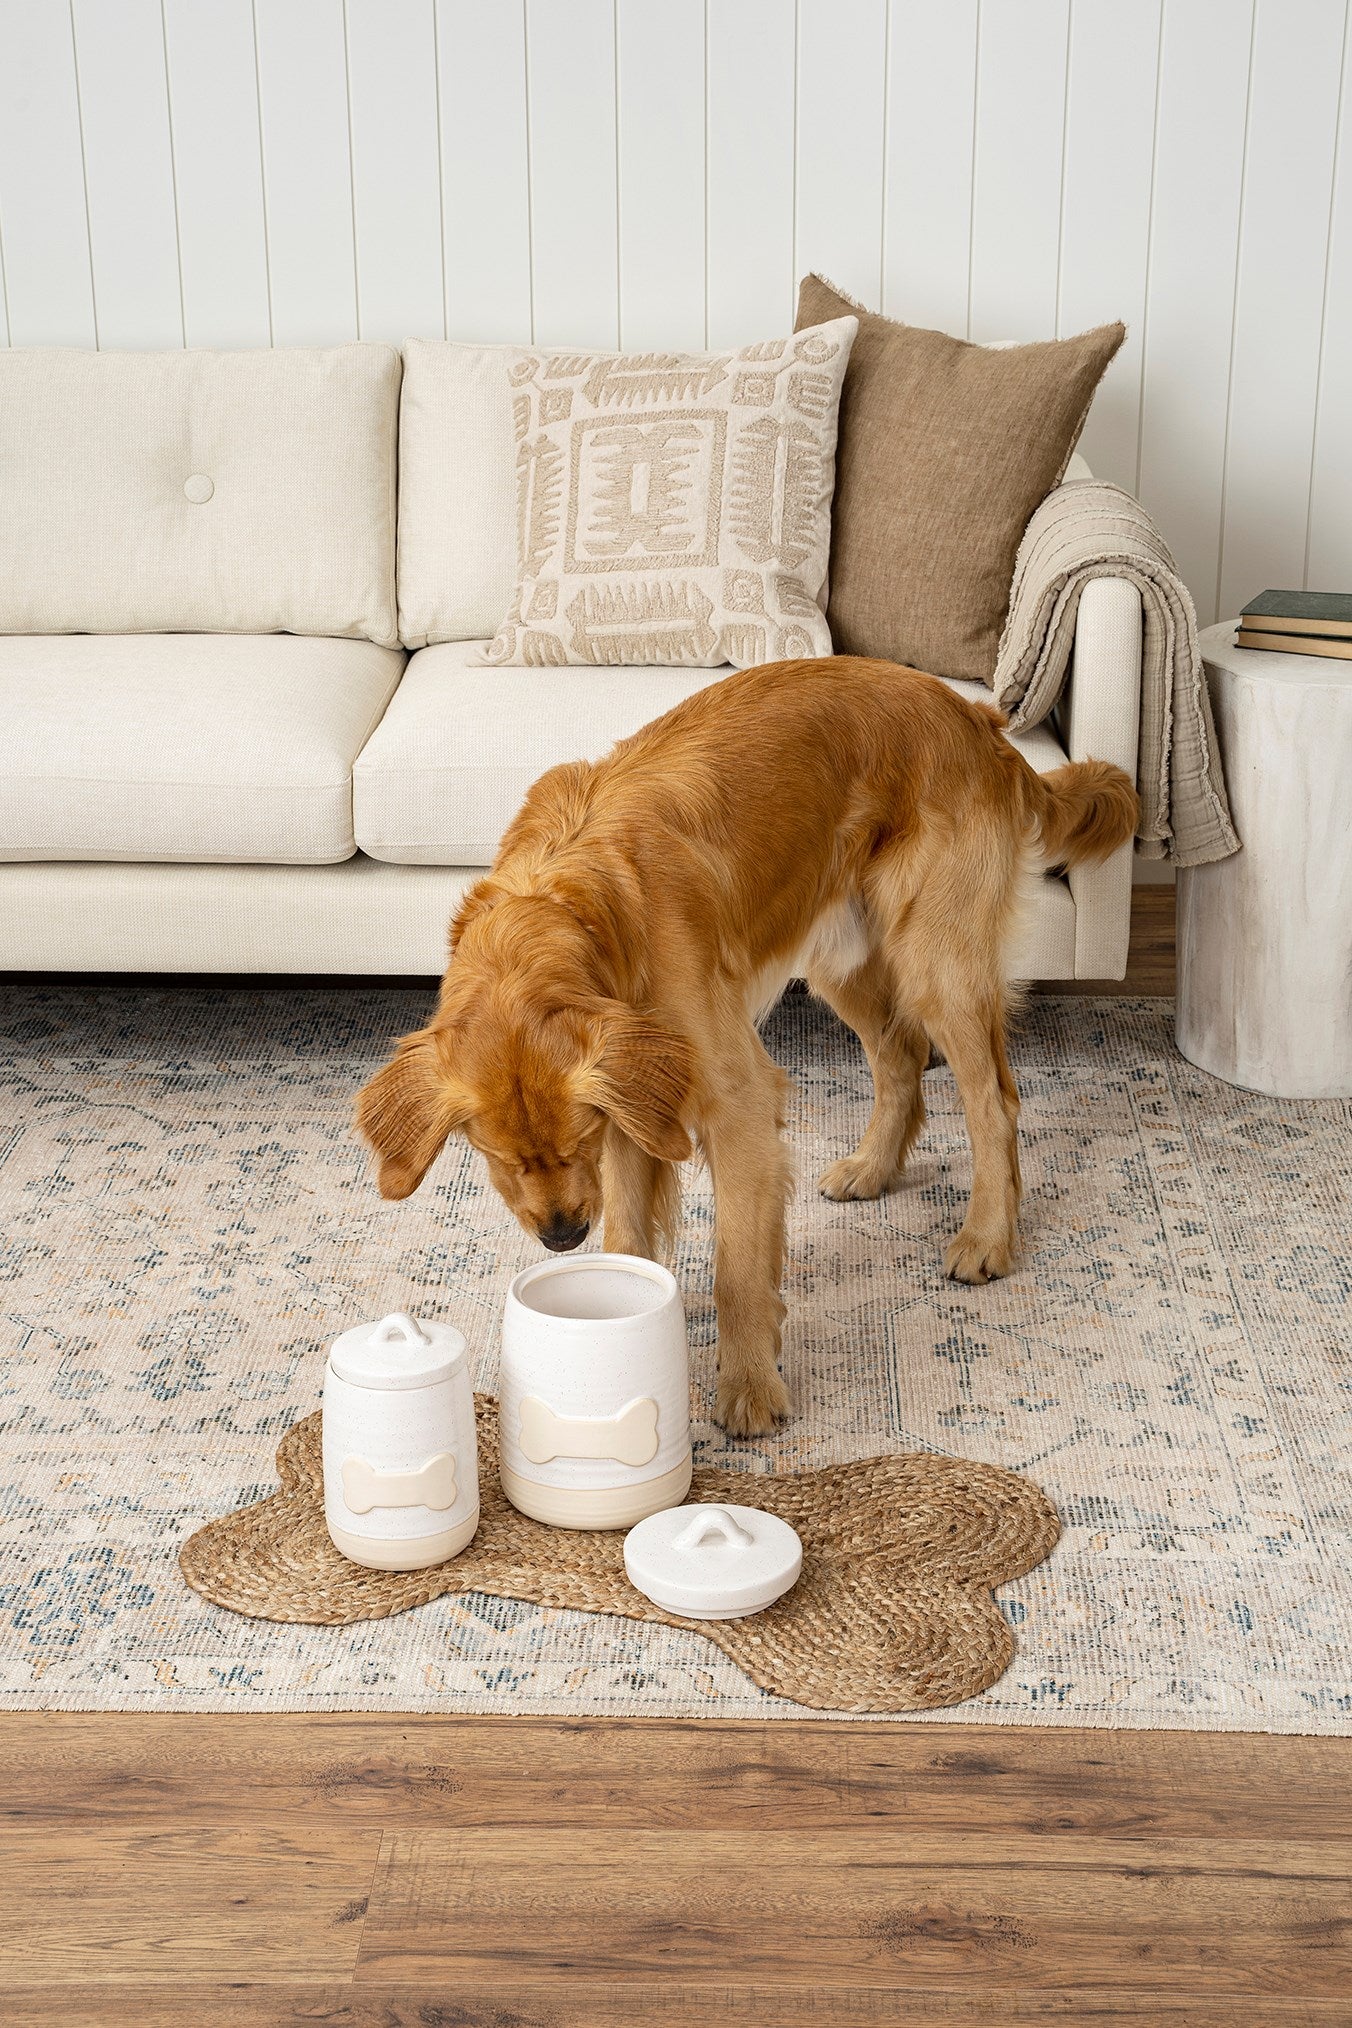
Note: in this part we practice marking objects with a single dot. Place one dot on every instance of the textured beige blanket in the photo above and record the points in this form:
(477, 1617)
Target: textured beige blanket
(1088, 529)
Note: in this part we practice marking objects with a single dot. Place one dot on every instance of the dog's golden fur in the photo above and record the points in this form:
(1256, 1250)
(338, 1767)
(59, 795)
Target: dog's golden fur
(845, 819)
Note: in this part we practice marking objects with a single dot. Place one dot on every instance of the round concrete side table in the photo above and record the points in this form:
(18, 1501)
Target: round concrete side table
(1265, 937)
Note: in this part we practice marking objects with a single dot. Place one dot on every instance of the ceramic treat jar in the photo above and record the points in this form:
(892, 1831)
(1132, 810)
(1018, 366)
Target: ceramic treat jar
(594, 1393)
(401, 1469)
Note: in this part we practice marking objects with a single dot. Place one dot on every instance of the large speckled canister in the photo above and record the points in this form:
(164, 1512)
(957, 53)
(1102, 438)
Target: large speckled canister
(594, 1392)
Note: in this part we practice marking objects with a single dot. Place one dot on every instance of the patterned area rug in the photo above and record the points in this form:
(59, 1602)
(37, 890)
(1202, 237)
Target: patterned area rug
(185, 1221)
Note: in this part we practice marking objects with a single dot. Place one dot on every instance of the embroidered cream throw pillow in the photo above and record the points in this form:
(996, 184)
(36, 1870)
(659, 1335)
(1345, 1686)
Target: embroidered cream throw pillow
(675, 508)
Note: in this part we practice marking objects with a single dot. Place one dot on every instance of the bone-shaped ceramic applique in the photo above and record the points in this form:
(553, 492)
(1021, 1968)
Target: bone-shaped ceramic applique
(629, 1438)
(364, 1487)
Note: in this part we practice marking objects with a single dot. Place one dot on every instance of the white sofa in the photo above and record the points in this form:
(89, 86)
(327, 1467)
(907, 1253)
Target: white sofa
(245, 726)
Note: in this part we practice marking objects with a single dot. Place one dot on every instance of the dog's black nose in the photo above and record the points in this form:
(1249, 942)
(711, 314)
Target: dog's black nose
(562, 1234)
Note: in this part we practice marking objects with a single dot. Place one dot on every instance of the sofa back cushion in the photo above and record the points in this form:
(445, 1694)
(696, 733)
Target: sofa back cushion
(457, 491)
(199, 492)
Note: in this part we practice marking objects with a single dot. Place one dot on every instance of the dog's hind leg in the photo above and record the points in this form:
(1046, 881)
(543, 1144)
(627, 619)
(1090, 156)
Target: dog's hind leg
(948, 922)
(963, 1008)
(640, 1196)
(751, 1176)
(972, 1038)
(897, 1049)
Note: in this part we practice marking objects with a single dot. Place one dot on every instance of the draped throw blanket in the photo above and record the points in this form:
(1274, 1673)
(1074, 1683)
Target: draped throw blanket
(1087, 529)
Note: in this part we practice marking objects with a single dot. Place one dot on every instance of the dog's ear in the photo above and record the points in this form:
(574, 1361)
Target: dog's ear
(409, 1108)
(641, 1078)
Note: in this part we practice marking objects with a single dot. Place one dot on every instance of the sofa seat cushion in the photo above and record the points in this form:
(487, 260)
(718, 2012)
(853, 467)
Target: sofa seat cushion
(185, 746)
(443, 776)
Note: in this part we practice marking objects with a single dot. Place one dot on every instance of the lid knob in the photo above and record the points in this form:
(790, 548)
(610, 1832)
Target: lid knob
(399, 1329)
(713, 1524)
(711, 1561)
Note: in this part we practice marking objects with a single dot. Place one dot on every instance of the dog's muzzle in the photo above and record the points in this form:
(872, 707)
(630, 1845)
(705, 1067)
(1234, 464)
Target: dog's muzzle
(561, 1235)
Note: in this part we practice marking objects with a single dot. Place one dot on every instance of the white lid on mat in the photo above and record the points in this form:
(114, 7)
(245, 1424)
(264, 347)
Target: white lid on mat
(713, 1562)
(399, 1351)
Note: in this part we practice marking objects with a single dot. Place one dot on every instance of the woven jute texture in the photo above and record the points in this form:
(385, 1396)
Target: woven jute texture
(893, 1611)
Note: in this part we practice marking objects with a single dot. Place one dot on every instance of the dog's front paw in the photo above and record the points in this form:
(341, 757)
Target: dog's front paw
(751, 1404)
(855, 1176)
(978, 1257)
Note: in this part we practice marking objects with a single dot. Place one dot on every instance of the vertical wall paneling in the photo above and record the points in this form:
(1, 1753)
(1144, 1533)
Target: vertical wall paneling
(485, 186)
(396, 175)
(307, 171)
(1016, 204)
(1329, 559)
(751, 170)
(133, 235)
(1110, 144)
(213, 99)
(570, 49)
(1199, 168)
(659, 173)
(931, 102)
(1279, 303)
(42, 195)
(661, 170)
(842, 68)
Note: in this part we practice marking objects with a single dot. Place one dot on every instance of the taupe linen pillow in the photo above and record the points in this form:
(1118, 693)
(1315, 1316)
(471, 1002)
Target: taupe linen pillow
(944, 451)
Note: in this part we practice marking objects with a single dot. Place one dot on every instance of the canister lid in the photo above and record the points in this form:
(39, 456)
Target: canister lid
(713, 1562)
(399, 1351)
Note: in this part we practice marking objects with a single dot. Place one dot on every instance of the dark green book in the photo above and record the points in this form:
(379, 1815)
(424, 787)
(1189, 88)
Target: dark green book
(1300, 612)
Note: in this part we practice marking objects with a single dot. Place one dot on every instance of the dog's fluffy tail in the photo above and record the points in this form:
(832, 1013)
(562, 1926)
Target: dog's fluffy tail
(1084, 810)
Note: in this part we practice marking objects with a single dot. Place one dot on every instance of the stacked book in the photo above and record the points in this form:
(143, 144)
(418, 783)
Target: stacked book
(1299, 623)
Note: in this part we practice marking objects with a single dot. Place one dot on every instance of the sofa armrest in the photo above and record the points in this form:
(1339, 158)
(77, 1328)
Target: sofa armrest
(1099, 719)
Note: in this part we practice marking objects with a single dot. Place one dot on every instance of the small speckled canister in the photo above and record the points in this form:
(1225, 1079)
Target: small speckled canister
(401, 1470)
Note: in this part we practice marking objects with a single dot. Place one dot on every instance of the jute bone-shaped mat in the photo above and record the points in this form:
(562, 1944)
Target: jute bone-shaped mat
(893, 1611)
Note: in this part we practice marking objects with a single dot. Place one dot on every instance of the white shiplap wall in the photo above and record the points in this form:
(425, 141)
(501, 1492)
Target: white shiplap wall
(659, 172)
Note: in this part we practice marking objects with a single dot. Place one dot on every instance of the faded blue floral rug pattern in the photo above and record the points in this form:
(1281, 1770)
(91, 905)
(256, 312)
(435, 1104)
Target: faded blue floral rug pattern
(186, 1221)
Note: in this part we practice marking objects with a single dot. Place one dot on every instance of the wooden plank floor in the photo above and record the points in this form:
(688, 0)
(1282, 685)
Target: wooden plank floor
(172, 1871)
(169, 1869)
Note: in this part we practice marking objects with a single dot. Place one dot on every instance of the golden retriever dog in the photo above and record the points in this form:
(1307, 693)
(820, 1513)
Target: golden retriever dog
(846, 820)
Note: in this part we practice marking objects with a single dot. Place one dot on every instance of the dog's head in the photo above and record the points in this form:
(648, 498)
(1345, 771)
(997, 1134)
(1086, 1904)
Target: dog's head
(533, 1091)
